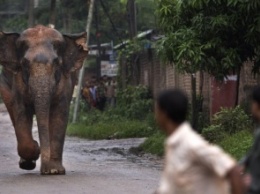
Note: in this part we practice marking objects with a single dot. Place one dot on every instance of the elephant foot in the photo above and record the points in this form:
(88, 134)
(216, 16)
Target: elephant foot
(52, 168)
(29, 151)
(27, 164)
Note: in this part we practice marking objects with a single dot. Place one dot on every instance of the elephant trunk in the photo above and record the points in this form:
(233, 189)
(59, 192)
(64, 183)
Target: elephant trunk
(41, 92)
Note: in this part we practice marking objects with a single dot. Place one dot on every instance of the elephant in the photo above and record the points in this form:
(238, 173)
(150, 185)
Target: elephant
(39, 72)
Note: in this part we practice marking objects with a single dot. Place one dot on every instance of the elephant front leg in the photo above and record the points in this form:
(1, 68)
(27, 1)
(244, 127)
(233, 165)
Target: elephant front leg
(28, 149)
(58, 123)
(6, 95)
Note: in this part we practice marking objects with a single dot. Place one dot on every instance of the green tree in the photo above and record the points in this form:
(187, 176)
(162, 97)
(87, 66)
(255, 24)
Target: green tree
(70, 16)
(210, 36)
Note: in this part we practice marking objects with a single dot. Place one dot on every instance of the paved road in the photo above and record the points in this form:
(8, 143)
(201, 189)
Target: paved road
(93, 167)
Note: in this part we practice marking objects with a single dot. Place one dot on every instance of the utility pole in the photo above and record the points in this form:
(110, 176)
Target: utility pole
(31, 13)
(52, 13)
(81, 74)
(98, 57)
(131, 7)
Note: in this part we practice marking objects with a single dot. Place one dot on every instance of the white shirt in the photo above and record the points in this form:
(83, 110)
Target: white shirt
(75, 91)
(193, 166)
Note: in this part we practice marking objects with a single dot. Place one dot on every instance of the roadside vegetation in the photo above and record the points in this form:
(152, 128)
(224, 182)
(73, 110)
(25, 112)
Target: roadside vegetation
(192, 45)
(133, 117)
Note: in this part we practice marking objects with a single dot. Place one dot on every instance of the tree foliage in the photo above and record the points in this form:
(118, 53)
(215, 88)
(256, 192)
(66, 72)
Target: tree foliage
(215, 36)
(71, 17)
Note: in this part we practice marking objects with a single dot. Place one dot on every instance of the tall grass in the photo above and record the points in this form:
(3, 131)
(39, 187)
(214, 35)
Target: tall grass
(238, 144)
(111, 129)
(154, 144)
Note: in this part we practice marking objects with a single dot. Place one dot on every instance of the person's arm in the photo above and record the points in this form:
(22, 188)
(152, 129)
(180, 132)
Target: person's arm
(165, 183)
(215, 159)
(235, 179)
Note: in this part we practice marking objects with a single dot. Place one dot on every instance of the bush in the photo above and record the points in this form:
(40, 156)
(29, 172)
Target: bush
(232, 120)
(227, 122)
(238, 144)
(154, 144)
(95, 116)
(213, 133)
(131, 118)
(150, 119)
(135, 102)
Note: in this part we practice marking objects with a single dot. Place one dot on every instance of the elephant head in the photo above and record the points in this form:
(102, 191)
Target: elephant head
(42, 51)
(42, 55)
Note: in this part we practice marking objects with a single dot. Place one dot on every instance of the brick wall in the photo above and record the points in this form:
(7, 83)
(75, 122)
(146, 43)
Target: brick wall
(158, 76)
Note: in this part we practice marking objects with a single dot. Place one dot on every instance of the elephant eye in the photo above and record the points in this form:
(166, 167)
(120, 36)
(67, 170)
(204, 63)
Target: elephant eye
(25, 62)
(22, 45)
(56, 45)
(56, 61)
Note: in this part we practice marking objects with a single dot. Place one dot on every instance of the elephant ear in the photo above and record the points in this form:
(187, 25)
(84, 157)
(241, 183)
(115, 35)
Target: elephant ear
(75, 52)
(8, 51)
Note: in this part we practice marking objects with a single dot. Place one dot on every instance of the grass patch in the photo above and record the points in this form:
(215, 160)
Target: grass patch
(154, 144)
(133, 118)
(238, 144)
(114, 129)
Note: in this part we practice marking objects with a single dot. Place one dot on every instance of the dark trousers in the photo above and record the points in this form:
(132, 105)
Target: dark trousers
(101, 103)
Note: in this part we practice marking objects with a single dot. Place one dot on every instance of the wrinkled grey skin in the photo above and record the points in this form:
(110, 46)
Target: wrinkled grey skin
(39, 73)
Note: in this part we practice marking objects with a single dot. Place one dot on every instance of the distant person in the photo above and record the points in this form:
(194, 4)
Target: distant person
(114, 84)
(86, 93)
(93, 94)
(105, 78)
(252, 161)
(110, 93)
(101, 95)
(192, 165)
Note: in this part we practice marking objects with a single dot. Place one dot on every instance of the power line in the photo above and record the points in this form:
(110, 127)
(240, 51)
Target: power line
(111, 21)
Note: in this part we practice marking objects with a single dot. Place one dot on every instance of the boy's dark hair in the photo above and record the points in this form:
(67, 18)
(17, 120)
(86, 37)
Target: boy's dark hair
(174, 103)
(256, 94)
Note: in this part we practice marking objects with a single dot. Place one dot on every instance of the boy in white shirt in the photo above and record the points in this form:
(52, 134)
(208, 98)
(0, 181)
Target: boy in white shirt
(192, 165)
